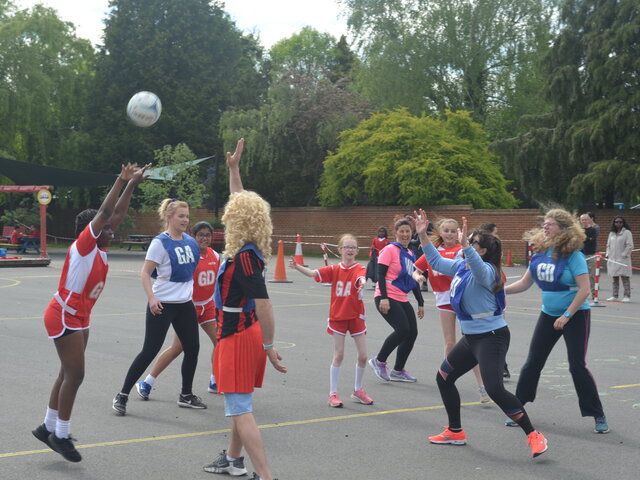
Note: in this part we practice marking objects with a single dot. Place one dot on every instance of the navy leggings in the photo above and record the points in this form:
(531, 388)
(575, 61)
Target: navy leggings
(402, 319)
(576, 338)
(185, 323)
(488, 350)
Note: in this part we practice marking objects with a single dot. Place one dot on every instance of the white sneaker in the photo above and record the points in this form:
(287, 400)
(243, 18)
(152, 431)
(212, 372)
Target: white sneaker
(626, 300)
(484, 397)
(612, 299)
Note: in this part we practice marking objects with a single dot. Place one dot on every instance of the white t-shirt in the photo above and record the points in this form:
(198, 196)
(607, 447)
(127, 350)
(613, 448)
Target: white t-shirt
(163, 288)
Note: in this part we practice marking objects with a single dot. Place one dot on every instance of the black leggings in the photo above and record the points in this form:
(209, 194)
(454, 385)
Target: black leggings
(402, 319)
(185, 323)
(489, 351)
(576, 338)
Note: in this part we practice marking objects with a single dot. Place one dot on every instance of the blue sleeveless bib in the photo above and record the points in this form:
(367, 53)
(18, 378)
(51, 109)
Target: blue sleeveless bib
(217, 296)
(546, 272)
(405, 281)
(184, 256)
(458, 286)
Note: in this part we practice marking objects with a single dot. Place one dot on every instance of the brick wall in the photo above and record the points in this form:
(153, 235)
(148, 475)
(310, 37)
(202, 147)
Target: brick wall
(320, 224)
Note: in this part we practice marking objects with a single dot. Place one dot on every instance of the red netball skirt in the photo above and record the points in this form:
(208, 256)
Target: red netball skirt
(239, 361)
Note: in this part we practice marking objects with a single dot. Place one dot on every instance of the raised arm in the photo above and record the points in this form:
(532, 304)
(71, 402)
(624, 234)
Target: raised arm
(437, 262)
(233, 162)
(122, 206)
(108, 204)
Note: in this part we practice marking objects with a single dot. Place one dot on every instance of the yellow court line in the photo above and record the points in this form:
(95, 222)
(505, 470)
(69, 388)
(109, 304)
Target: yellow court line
(15, 282)
(627, 386)
(227, 430)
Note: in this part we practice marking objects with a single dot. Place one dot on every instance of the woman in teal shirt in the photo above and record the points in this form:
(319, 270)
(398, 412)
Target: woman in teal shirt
(560, 270)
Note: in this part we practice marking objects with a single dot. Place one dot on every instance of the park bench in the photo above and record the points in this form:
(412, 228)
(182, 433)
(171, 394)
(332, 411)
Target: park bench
(141, 241)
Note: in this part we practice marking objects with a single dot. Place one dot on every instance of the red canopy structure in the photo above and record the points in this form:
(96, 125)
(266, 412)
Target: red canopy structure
(44, 197)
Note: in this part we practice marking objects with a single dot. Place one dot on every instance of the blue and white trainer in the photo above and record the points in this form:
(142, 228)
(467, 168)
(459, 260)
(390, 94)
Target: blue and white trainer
(213, 387)
(144, 389)
(380, 369)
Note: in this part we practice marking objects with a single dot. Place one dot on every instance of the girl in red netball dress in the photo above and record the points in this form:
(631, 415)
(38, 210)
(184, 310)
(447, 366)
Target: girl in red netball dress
(346, 314)
(445, 239)
(204, 283)
(67, 317)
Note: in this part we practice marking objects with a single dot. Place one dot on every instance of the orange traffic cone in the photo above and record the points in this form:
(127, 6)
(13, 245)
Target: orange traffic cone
(298, 256)
(280, 274)
(508, 263)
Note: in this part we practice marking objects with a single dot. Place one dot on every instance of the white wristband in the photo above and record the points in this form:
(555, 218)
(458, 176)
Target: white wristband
(267, 347)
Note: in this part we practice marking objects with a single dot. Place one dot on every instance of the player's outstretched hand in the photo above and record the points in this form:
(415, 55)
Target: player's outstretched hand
(127, 171)
(464, 237)
(421, 221)
(292, 262)
(140, 174)
(233, 161)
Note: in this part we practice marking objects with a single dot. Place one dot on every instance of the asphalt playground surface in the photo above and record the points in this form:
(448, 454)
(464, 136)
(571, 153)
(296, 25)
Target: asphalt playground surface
(305, 438)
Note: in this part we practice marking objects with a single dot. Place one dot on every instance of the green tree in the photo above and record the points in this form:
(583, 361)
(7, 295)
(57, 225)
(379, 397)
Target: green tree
(397, 158)
(430, 55)
(585, 148)
(184, 183)
(308, 104)
(191, 55)
(45, 73)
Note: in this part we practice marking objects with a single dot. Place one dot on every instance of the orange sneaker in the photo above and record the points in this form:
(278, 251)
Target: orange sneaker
(362, 397)
(334, 400)
(537, 442)
(452, 438)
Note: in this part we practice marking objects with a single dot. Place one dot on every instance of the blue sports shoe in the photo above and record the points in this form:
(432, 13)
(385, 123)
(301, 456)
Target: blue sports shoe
(144, 389)
(213, 387)
(601, 425)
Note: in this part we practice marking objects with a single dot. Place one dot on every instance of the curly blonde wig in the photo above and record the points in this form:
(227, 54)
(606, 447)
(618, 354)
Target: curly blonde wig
(247, 219)
(570, 238)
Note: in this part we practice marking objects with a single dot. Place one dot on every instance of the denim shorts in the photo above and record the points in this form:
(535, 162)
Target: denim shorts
(237, 403)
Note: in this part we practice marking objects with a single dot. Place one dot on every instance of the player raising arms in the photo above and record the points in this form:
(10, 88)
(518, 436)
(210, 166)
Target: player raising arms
(346, 313)
(67, 317)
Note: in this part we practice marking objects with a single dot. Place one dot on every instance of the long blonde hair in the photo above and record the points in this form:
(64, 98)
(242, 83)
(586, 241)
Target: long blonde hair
(436, 238)
(168, 207)
(247, 219)
(570, 238)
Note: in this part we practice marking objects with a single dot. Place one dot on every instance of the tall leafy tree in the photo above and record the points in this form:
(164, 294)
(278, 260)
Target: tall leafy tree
(585, 149)
(308, 104)
(396, 158)
(45, 75)
(430, 55)
(191, 55)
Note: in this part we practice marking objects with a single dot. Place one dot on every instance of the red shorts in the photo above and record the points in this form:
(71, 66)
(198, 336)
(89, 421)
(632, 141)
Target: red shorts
(445, 308)
(206, 313)
(239, 361)
(56, 320)
(355, 326)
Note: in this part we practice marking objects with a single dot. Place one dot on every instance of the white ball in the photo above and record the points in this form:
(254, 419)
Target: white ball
(144, 109)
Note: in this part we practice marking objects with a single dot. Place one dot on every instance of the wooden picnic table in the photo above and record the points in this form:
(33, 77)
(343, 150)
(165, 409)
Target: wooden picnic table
(136, 240)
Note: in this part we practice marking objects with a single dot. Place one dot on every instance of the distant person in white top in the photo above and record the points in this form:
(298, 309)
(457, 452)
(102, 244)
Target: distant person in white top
(619, 247)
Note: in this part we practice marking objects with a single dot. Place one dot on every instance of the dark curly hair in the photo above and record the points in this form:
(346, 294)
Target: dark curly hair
(84, 218)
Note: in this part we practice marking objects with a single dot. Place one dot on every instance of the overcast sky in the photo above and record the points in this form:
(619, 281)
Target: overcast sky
(273, 19)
